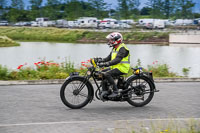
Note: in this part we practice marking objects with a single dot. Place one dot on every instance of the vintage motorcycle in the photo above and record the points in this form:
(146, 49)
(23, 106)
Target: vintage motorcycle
(77, 91)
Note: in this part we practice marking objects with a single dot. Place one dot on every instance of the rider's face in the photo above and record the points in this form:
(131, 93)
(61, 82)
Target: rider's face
(110, 41)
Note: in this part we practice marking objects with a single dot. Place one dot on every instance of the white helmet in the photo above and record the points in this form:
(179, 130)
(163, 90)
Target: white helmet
(114, 38)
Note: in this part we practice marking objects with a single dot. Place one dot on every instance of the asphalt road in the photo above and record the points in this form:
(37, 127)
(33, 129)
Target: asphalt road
(38, 108)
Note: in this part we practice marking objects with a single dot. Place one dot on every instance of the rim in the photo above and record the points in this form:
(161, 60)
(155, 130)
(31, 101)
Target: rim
(71, 93)
(138, 94)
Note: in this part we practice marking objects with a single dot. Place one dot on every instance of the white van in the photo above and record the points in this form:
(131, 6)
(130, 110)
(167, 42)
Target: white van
(159, 24)
(154, 24)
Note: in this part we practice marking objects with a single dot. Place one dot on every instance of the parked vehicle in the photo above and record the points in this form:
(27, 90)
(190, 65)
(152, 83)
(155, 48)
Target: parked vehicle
(4, 23)
(124, 25)
(73, 24)
(169, 22)
(22, 24)
(40, 21)
(145, 21)
(49, 24)
(77, 91)
(148, 26)
(108, 23)
(34, 24)
(128, 21)
(87, 22)
(62, 23)
(184, 22)
(158, 24)
(196, 21)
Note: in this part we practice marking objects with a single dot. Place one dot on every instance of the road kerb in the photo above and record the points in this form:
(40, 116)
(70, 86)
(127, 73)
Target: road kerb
(60, 81)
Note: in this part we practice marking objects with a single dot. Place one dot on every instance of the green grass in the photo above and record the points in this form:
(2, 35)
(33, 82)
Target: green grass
(72, 35)
(7, 42)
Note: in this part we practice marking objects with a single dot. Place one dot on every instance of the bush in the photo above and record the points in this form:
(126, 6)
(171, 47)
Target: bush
(161, 70)
(186, 71)
(61, 75)
(50, 70)
(27, 74)
(3, 73)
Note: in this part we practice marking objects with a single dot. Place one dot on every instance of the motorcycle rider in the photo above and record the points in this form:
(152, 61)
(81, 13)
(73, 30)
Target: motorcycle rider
(118, 61)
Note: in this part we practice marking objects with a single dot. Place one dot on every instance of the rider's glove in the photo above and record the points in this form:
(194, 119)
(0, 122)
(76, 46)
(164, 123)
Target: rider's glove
(103, 64)
(98, 59)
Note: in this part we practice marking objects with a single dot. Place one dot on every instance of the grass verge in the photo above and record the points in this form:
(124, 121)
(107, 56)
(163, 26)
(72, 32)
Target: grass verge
(157, 126)
(78, 35)
(7, 42)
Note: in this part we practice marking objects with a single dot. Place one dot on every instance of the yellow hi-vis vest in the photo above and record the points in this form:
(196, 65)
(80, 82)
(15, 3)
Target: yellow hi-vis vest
(124, 65)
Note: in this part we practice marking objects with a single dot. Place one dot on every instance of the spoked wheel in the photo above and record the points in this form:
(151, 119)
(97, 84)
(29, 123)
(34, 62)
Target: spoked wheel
(76, 93)
(142, 91)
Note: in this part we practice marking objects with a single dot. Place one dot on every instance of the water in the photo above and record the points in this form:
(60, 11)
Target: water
(31, 52)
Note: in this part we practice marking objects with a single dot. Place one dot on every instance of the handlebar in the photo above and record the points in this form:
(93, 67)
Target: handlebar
(92, 61)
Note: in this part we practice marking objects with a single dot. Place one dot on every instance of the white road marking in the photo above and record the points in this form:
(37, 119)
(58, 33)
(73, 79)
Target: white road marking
(76, 122)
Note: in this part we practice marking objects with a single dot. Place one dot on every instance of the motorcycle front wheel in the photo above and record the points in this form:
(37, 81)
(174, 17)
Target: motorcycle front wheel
(142, 91)
(71, 95)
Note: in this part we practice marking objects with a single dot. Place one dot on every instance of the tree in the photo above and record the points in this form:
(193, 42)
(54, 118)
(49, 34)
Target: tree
(35, 4)
(99, 5)
(184, 8)
(53, 2)
(156, 8)
(128, 8)
(145, 11)
(70, 13)
(3, 4)
(133, 7)
(17, 12)
(17, 4)
(123, 9)
(35, 9)
(167, 8)
(52, 9)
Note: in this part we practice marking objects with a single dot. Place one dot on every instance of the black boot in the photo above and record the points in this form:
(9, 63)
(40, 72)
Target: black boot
(104, 90)
(111, 81)
(115, 92)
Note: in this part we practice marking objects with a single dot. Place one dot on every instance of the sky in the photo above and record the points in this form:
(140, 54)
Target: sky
(114, 3)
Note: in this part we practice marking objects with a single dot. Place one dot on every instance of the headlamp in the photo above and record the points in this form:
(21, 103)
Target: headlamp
(88, 73)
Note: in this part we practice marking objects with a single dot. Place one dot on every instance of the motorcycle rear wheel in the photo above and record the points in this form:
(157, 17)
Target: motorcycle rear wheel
(69, 95)
(144, 85)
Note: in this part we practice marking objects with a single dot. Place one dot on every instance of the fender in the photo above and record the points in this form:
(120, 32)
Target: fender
(87, 82)
(150, 80)
(144, 76)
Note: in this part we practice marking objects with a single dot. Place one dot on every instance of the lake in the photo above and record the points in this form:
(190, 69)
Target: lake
(31, 52)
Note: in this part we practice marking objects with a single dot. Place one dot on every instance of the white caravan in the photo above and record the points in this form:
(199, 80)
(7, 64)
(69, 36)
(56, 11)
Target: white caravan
(145, 21)
(108, 23)
(128, 21)
(40, 21)
(183, 22)
(73, 24)
(87, 22)
(61, 23)
(48, 23)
